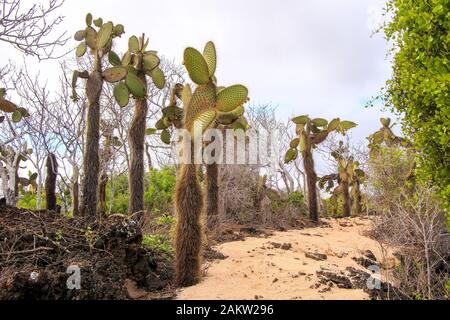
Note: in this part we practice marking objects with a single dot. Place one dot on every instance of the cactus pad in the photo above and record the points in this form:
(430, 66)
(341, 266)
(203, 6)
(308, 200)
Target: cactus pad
(7, 106)
(202, 122)
(81, 50)
(291, 155)
(294, 143)
(80, 35)
(121, 94)
(232, 97)
(150, 61)
(346, 125)
(91, 37)
(202, 100)
(319, 122)
(133, 44)
(385, 122)
(196, 66)
(333, 125)
(136, 85)
(114, 59)
(165, 136)
(89, 19)
(209, 53)
(115, 74)
(104, 35)
(300, 119)
(158, 78)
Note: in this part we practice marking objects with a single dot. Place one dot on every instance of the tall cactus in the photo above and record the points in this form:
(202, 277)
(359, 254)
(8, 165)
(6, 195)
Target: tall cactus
(201, 110)
(312, 132)
(136, 64)
(99, 42)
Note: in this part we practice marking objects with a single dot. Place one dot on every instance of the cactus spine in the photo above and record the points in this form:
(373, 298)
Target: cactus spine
(312, 132)
(50, 182)
(99, 43)
(201, 110)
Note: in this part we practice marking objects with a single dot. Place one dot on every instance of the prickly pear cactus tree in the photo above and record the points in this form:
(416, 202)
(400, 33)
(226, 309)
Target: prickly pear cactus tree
(132, 74)
(349, 176)
(201, 109)
(97, 40)
(310, 133)
(385, 137)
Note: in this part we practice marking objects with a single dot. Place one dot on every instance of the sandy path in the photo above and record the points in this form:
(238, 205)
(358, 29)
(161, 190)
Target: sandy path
(255, 268)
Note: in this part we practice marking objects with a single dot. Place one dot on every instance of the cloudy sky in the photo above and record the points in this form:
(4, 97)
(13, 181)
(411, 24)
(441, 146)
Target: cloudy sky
(312, 57)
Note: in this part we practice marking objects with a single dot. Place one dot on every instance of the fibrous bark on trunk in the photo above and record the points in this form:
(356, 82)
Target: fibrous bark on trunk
(311, 179)
(136, 136)
(91, 156)
(50, 182)
(212, 195)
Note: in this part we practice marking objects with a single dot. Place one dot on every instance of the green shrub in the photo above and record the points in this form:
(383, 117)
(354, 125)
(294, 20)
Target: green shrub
(158, 242)
(159, 190)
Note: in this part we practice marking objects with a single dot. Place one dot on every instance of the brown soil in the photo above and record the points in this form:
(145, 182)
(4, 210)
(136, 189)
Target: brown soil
(37, 247)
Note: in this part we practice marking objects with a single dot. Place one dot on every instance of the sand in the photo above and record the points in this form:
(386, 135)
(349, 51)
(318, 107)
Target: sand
(255, 269)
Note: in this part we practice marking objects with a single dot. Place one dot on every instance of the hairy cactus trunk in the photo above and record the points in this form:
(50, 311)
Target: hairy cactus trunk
(101, 194)
(311, 178)
(91, 160)
(346, 199)
(357, 209)
(212, 196)
(50, 182)
(75, 192)
(136, 137)
(188, 241)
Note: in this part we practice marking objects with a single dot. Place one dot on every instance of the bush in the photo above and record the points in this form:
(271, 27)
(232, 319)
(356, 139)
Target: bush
(158, 242)
(415, 226)
(159, 189)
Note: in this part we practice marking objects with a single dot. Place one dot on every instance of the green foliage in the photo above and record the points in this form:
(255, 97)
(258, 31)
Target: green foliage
(28, 200)
(419, 89)
(297, 199)
(158, 242)
(159, 189)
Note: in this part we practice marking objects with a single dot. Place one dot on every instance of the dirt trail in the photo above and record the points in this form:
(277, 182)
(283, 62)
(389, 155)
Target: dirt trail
(256, 268)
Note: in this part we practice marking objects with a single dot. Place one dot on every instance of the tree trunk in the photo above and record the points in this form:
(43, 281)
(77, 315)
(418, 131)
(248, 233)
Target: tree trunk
(91, 161)
(75, 192)
(212, 196)
(346, 199)
(357, 198)
(50, 182)
(136, 137)
(311, 178)
(39, 193)
(101, 194)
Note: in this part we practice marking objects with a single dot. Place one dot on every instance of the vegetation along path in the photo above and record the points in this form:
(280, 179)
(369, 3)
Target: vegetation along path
(327, 262)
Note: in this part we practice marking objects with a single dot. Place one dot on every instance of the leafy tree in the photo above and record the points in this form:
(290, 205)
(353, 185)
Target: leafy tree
(419, 89)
